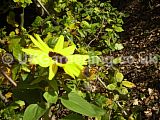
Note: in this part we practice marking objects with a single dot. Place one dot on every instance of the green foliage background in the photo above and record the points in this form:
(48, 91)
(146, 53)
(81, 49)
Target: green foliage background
(93, 26)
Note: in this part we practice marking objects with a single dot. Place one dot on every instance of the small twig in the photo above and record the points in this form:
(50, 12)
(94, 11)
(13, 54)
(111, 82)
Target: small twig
(6, 76)
(3, 97)
(96, 37)
(121, 107)
(39, 2)
(102, 82)
(92, 41)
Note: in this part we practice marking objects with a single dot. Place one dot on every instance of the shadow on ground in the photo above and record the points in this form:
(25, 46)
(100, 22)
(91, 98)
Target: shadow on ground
(141, 39)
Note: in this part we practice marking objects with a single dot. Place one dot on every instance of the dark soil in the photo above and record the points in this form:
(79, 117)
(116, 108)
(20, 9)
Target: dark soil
(141, 40)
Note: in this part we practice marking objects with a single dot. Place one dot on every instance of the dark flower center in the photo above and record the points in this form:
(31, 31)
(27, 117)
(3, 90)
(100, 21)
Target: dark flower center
(58, 57)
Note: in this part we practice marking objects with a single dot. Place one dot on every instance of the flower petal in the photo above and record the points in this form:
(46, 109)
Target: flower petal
(34, 52)
(42, 43)
(72, 69)
(59, 44)
(44, 61)
(78, 59)
(37, 43)
(38, 57)
(68, 50)
(67, 70)
(52, 71)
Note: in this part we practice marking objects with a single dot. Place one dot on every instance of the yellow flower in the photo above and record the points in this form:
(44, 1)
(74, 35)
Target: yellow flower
(58, 56)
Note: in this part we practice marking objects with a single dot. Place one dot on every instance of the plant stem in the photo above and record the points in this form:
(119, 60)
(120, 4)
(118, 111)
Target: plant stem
(22, 18)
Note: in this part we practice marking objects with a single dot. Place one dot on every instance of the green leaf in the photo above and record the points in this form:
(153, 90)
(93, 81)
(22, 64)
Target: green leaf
(33, 112)
(17, 53)
(20, 103)
(81, 33)
(28, 1)
(111, 86)
(118, 46)
(80, 105)
(37, 22)
(53, 84)
(109, 20)
(109, 29)
(85, 24)
(117, 28)
(114, 106)
(24, 76)
(51, 96)
(15, 47)
(11, 19)
(117, 60)
(17, 104)
(123, 90)
(119, 76)
(94, 60)
(15, 70)
(23, 1)
(107, 116)
(116, 97)
(25, 68)
(128, 84)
